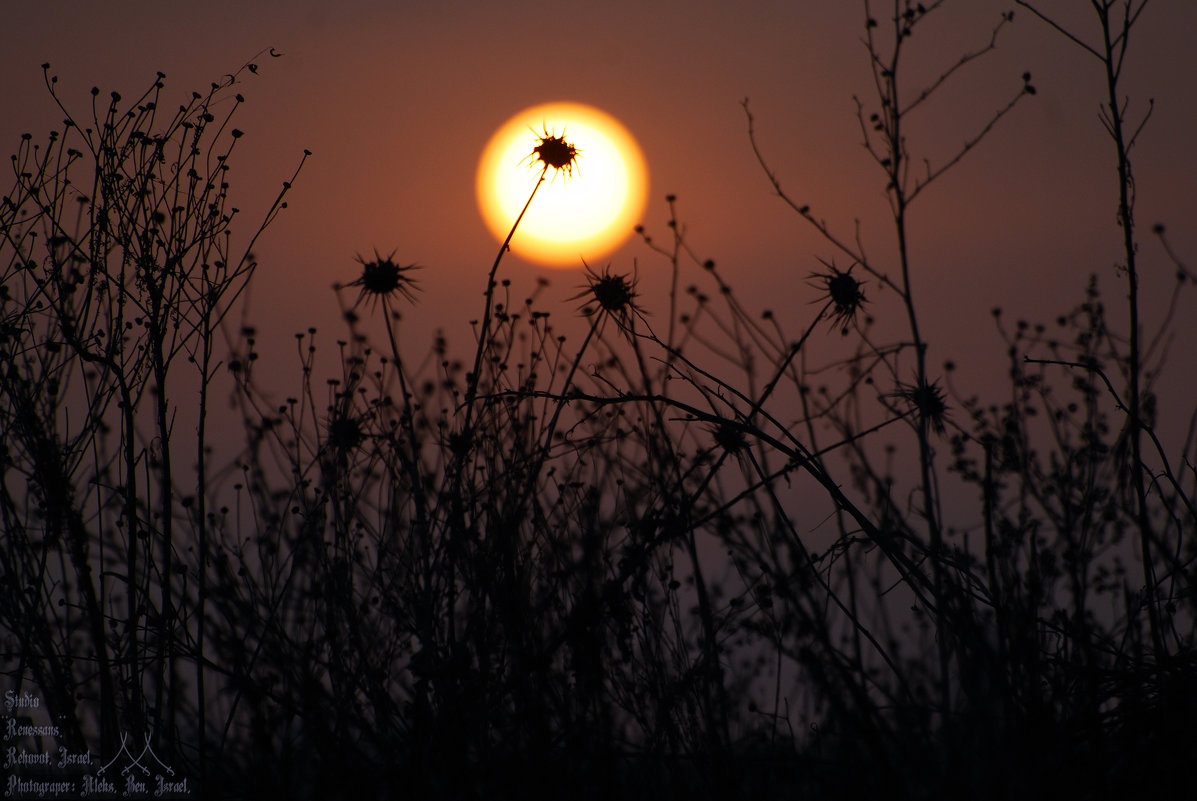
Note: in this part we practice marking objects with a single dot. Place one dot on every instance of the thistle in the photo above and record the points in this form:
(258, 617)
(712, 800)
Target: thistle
(614, 294)
(555, 152)
(729, 436)
(344, 433)
(928, 401)
(551, 151)
(843, 292)
(383, 277)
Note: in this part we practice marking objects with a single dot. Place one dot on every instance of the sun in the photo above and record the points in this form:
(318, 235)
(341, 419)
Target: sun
(584, 212)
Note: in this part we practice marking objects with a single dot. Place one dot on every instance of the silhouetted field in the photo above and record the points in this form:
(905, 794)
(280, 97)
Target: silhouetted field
(679, 557)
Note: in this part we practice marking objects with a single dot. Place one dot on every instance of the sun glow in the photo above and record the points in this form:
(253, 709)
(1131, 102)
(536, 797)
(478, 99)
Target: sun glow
(581, 212)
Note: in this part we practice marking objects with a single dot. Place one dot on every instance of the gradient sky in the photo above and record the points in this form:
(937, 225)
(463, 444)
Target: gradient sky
(397, 99)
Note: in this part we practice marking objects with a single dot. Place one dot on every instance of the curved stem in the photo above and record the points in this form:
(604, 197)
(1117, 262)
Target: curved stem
(472, 386)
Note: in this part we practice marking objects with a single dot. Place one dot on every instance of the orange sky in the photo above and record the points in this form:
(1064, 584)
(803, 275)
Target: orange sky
(396, 101)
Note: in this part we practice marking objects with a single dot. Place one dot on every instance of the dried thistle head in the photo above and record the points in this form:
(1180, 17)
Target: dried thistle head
(344, 432)
(928, 401)
(614, 293)
(843, 291)
(554, 151)
(383, 278)
(729, 437)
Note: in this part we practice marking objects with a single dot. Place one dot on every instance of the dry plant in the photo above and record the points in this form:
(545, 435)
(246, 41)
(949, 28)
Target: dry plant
(551, 564)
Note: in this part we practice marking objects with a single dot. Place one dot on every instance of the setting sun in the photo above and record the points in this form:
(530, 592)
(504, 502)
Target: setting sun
(583, 212)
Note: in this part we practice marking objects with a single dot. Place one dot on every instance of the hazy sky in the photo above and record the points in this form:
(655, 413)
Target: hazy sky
(397, 99)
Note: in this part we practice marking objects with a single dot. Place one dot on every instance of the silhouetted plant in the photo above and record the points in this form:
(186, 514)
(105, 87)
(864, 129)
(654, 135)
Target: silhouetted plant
(118, 270)
(676, 556)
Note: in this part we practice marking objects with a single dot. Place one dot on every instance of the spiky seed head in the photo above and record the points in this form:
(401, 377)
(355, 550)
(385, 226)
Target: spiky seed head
(844, 292)
(615, 293)
(928, 401)
(730, 437)
(554, 151)
(382, 278)
(344, 433)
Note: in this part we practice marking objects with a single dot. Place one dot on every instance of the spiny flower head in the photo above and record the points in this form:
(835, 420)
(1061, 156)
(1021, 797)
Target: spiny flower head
(928, 401)
(383, 277)
(554, 151)
(843, 291)
(344, 432)
(730, 437)
(614, 293)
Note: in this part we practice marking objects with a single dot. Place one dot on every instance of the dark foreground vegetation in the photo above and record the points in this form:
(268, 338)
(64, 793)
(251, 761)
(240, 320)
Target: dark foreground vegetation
(671, 559)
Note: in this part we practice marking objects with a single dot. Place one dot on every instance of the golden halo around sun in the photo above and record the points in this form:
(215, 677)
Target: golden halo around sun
(580, 213)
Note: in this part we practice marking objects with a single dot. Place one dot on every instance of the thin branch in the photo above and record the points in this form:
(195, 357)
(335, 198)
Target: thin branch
(805, 212)
(1060, 29)
(964, 59)
(969, 144)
